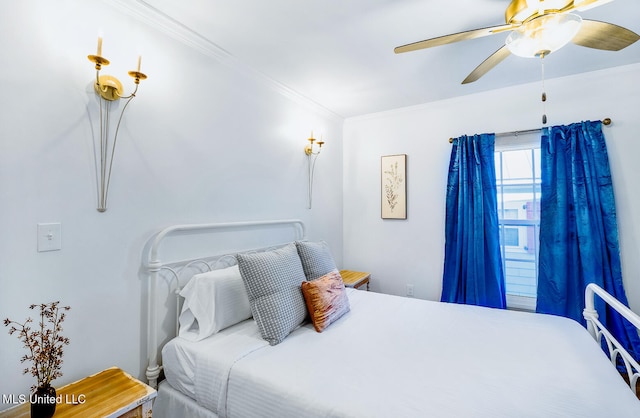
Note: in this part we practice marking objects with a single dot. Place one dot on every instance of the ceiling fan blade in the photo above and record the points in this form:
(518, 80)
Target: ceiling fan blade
(583, 5)
(603, 35)
(488, 64)
(455, 37)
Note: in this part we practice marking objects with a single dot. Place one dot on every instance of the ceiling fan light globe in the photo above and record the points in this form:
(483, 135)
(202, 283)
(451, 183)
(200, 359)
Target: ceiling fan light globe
(543, 35)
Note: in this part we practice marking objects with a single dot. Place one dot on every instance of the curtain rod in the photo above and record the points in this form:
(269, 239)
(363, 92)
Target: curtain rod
(605, 121)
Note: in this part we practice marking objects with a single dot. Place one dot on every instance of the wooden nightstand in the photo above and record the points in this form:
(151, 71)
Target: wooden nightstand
(111, 393)
(355, 279)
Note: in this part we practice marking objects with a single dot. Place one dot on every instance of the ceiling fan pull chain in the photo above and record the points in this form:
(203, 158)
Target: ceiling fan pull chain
(544, 94)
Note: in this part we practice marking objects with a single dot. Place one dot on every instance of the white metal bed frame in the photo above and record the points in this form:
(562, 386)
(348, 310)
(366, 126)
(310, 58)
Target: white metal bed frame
(600, 333)
(154, 266)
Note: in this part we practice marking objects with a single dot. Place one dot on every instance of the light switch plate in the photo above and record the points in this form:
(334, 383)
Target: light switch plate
(49, 237)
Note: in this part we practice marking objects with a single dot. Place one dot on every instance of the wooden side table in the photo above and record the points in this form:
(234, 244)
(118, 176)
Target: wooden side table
(355, 279)
(112, 393)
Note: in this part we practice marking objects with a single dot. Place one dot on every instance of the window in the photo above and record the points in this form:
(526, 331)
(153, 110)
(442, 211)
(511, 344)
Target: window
(518, 190)
(510, 236)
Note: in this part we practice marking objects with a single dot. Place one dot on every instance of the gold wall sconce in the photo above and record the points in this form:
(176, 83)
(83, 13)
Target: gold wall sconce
(109, 89)
(312, 150)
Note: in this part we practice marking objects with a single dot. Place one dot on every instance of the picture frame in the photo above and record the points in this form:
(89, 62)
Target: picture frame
(393, 186)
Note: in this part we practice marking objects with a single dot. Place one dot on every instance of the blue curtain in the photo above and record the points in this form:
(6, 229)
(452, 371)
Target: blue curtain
(578, 229)
(472, 262)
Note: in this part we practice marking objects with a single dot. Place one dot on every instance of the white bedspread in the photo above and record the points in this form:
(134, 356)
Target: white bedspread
(400, 357)
(200, 369)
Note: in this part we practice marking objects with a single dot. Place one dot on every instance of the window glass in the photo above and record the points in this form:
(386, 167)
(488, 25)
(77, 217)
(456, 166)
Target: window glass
(518, 190)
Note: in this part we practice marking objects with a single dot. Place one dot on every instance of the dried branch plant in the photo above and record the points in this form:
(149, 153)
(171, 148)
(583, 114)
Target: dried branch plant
(44, 344)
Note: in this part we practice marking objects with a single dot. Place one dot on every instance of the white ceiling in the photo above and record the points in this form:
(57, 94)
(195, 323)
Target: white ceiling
(339, 54)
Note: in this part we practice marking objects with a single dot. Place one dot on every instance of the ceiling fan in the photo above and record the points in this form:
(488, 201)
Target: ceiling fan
(538, 28)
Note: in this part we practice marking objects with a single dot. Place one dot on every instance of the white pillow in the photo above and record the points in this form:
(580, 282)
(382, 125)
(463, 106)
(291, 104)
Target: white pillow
(213, 301)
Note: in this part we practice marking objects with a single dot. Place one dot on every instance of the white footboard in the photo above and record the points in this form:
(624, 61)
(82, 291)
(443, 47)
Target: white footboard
(599, 332)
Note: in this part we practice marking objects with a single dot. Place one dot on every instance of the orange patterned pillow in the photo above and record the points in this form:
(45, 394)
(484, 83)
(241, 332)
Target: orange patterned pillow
(326, 299)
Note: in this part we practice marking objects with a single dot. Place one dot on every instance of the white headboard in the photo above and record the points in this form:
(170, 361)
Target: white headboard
(192, 242)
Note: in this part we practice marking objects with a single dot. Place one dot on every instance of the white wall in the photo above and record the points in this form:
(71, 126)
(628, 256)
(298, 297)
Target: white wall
(201, 142)
(412, 250)
(204, 142)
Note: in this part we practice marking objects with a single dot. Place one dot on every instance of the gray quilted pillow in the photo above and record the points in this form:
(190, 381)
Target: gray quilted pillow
(316, 259)
(273, 279)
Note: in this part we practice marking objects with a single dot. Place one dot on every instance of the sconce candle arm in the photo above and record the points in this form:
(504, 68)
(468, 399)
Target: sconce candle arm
(132, 95)
(312, 165)
(106, 176)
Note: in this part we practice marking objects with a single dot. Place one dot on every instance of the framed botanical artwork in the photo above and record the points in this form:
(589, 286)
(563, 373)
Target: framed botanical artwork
(394, 186)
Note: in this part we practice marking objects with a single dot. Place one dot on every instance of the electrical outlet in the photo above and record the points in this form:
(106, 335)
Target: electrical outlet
(410, 290)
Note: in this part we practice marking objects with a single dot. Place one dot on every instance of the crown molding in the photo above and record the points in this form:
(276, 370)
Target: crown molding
(164, 23)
